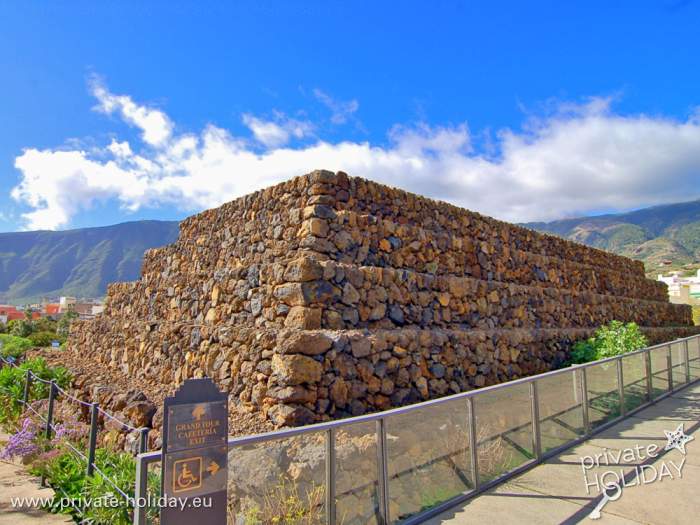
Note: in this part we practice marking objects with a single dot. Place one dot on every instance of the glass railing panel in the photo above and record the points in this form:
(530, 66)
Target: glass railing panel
(634, 376)
(659, 371)
(694, 357)
(429, 460)
(503, 430)
(603, 394)
(560, 409)
(275, 481)
(678, 364)
(356, 481)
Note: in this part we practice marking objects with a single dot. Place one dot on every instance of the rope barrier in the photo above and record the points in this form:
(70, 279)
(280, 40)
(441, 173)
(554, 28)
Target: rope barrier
(78, 452)
(124, 425)
(69, 396)
(108, 480)
(31, 409)
(31, 373)
(55, 427)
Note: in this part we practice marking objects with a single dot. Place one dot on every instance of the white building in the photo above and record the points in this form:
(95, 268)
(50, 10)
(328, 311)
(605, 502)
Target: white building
(682, 290)
(66, 304)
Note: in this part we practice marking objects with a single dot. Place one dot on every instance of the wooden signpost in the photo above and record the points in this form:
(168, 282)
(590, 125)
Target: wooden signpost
(195, 453)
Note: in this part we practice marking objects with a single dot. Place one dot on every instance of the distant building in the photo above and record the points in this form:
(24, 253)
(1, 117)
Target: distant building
(9, 313)
(51, 309)
(85, 308)
(682, 290)
(66, 304)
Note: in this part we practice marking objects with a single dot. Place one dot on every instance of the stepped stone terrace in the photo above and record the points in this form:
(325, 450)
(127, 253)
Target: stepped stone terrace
(328, 295)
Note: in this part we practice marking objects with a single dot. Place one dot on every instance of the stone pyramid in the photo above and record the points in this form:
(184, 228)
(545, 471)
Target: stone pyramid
(329, 295)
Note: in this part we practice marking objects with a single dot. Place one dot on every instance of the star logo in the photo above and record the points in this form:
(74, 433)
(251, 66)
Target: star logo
(677, 439)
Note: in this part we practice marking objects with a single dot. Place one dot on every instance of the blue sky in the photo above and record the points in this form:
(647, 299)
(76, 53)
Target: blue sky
(521, 110)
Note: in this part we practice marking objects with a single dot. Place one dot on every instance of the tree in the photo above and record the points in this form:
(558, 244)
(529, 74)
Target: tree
(65, 322)
(20, 327)
(616, 338)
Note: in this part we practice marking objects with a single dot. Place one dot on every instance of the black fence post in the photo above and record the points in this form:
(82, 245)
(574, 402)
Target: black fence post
(27, 388)
(93, 438)
(49, 419)
(49, 416)
(143, 440)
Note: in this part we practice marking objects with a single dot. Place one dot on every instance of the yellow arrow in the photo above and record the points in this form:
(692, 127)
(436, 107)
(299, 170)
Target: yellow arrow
(198, 412)
(213, 468)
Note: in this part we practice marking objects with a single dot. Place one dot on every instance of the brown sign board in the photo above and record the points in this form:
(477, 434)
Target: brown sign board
(195, 454)
(194, 425)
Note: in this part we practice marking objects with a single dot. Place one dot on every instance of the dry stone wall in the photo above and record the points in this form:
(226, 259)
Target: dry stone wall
(328, 296)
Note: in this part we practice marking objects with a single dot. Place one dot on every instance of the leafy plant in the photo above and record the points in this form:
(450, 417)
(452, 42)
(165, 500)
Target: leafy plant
(20, 327)
(616, 338)
(14, 346)
(42, 339)
(12, 380)
(65, 322)
(65, 472)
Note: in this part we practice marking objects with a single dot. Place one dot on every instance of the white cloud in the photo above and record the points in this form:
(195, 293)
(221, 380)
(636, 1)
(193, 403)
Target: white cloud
(278, 132)
(155, 126)
(580, 158)
(341, 111)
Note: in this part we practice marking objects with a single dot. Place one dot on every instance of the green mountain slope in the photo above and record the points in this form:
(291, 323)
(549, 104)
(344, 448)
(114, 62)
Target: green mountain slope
(82, 262)
(664, 237)
(76, 262)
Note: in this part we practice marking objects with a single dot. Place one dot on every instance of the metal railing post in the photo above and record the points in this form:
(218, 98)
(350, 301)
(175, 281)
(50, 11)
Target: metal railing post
(686, 354)
(535, 411)
(49, 420)
(584, 401)
(621, 387)
(140, 491)
(330, 476)
(647, 366)
(27, 387)
(143, 440)
(382, 472)
(92, 443)
(473, 445)
(49, 416)
(669, 364)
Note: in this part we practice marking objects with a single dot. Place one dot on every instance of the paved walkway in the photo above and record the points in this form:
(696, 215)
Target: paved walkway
(16, 483)
(555, 492)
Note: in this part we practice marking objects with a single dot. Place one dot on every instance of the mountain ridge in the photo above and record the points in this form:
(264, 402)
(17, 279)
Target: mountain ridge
(665, 236)
(81, 262)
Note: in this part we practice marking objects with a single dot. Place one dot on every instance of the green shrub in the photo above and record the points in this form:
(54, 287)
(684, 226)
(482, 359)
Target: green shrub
(45, 324)
(66, 474)
(616, 338)
(43, 339)
(12, 380)
(20, 327)
(13, 346)
(583, 352)
(64, 323)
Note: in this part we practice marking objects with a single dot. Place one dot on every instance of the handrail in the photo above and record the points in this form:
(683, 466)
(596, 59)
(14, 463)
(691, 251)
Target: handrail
(577, 371)
(367, 418)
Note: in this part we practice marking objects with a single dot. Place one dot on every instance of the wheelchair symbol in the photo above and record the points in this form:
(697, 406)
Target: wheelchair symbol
(187, 474)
